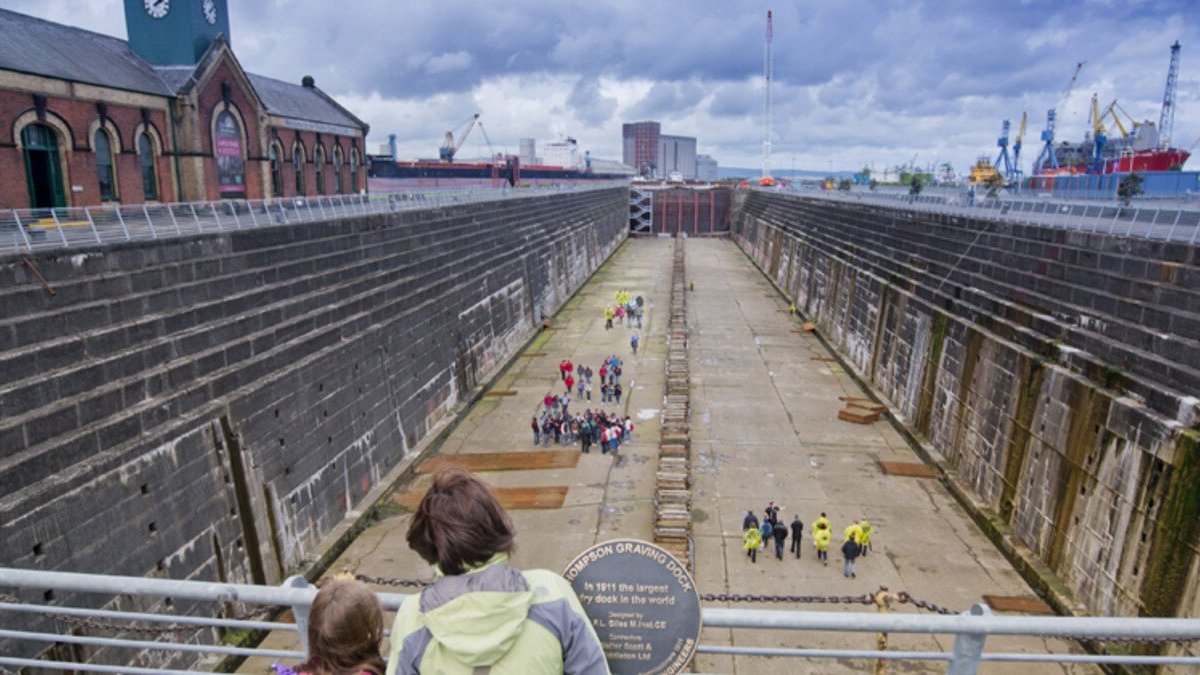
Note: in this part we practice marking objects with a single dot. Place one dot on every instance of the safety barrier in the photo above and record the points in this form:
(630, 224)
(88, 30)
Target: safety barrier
(1146, 220)
(37, 634)
(67, 227)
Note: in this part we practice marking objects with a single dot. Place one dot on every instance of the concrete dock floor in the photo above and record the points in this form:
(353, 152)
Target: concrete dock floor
(764, 427)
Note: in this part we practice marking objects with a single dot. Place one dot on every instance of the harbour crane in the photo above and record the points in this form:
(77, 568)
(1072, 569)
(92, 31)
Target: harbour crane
(1166, 119)
(766, 178)
(450, 146)
(1003, 164)
(1046, 159)
(1017, 174)
(1099, 137)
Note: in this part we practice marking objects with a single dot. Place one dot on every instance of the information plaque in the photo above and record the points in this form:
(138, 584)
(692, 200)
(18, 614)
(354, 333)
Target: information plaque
(642, 603)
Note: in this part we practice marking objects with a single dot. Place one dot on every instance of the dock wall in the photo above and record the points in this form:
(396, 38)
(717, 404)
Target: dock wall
(1050, 373)
(210, 407)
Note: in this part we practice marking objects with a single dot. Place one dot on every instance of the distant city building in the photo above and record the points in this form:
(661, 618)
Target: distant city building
(706, 168)
(528, 151)
(641, 147)
(169, 115)
(561, 153)
(677, 154)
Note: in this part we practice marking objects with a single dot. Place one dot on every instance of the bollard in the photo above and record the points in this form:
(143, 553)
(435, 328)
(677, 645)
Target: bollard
(883, 604)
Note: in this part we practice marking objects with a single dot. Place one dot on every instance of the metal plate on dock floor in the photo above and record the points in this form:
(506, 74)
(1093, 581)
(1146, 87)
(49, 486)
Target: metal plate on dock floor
(504, 461)
(1024, 604)
(521, 498)
(910, 469)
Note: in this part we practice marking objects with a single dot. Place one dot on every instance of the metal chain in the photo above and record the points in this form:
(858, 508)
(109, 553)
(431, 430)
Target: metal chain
(864, 599)
(256, 615)
(381, 581)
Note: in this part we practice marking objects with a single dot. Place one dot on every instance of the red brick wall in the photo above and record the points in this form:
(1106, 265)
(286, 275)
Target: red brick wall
(244, 101)
(80, 163)
(287, 138)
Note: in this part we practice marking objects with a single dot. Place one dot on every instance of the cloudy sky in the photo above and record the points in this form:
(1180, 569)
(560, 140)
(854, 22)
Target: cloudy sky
(856, 83)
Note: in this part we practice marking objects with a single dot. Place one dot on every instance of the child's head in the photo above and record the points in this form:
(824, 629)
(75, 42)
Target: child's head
(345, 627)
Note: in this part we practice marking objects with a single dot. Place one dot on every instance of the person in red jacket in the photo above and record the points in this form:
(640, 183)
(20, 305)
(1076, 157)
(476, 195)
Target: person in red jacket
(569, 381)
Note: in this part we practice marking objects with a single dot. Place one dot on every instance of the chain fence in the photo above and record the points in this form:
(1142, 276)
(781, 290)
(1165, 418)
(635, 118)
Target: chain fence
(1173, 221)
(27, 230)
(159, 639)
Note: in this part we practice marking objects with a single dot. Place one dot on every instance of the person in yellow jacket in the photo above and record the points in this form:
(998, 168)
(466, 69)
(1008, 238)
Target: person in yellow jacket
(821, 538)
(852, 529)
(864, 538)
(751, 540)
(481, 615)
(817, 523)
(608, 317)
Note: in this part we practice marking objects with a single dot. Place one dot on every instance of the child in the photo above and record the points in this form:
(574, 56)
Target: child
(765, 531)
(345, 627)
(751, 540)
(821, 539)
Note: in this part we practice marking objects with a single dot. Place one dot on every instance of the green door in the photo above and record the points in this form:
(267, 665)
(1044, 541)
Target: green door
(43, 173)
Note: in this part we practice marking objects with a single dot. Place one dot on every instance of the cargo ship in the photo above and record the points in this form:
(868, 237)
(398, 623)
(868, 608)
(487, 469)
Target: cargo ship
(387, 174)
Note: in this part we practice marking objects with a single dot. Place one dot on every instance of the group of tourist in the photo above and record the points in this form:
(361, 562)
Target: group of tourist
(607, 430)
(856, 538)
(578, 378)
(627, 307)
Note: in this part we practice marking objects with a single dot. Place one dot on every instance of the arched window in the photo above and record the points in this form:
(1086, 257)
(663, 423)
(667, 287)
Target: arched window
(319, 164)
(354, 170)
(298, 167)
(146, 161)
(102, 148)
(276, 170)
(43, 168)
(337, 170)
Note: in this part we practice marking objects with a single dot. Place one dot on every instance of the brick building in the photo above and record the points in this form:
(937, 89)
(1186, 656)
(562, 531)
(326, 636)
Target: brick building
(640, 142)
(170, 115)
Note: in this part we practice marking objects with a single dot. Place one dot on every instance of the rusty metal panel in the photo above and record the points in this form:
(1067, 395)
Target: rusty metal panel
(1025, 604)
(520, 498)
(910, 469)
(504, 461)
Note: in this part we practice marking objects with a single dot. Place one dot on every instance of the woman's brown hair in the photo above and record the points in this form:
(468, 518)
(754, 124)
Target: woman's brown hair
(345, 627)
(459, 523)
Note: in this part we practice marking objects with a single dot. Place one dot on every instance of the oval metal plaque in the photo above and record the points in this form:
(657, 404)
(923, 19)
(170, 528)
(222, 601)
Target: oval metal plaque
(642, 602)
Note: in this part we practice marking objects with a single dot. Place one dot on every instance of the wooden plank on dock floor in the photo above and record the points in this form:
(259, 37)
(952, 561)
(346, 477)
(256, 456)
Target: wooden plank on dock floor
(504, 461)
(910, 469)
(1025, 604)
(499, 392)
(519, 498)
(530, 355)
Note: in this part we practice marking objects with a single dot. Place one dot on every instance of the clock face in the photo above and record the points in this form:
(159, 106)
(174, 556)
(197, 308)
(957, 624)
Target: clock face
(210, 11)
(157, 9)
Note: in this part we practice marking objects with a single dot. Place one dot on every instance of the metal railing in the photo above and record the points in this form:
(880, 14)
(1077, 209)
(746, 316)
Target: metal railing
(67, 227)
(25, 640)
(1149, 220)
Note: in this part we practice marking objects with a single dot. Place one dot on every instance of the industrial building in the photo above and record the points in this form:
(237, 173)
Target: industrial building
(706, 167)
(657, 155)
(170, 115)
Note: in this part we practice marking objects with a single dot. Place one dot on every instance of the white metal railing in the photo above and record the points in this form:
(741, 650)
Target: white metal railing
(1149, 220)
(24, 638)
(67, 227)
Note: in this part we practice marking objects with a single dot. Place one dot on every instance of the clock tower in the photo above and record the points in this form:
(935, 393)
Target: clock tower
(175, 32)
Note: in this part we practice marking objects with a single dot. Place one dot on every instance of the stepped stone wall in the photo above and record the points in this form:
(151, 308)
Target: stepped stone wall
(1051, 373)
(210, 407)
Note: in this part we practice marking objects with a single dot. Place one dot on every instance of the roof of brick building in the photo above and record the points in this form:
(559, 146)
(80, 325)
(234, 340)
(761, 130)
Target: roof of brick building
(39, 47)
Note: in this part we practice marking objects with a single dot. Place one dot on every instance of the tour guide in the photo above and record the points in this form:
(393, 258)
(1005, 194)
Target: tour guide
(482, 615)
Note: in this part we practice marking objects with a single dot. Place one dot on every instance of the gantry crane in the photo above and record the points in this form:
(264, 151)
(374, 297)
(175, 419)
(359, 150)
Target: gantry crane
(1003, 164)
(1046, 159)
(450, 146)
